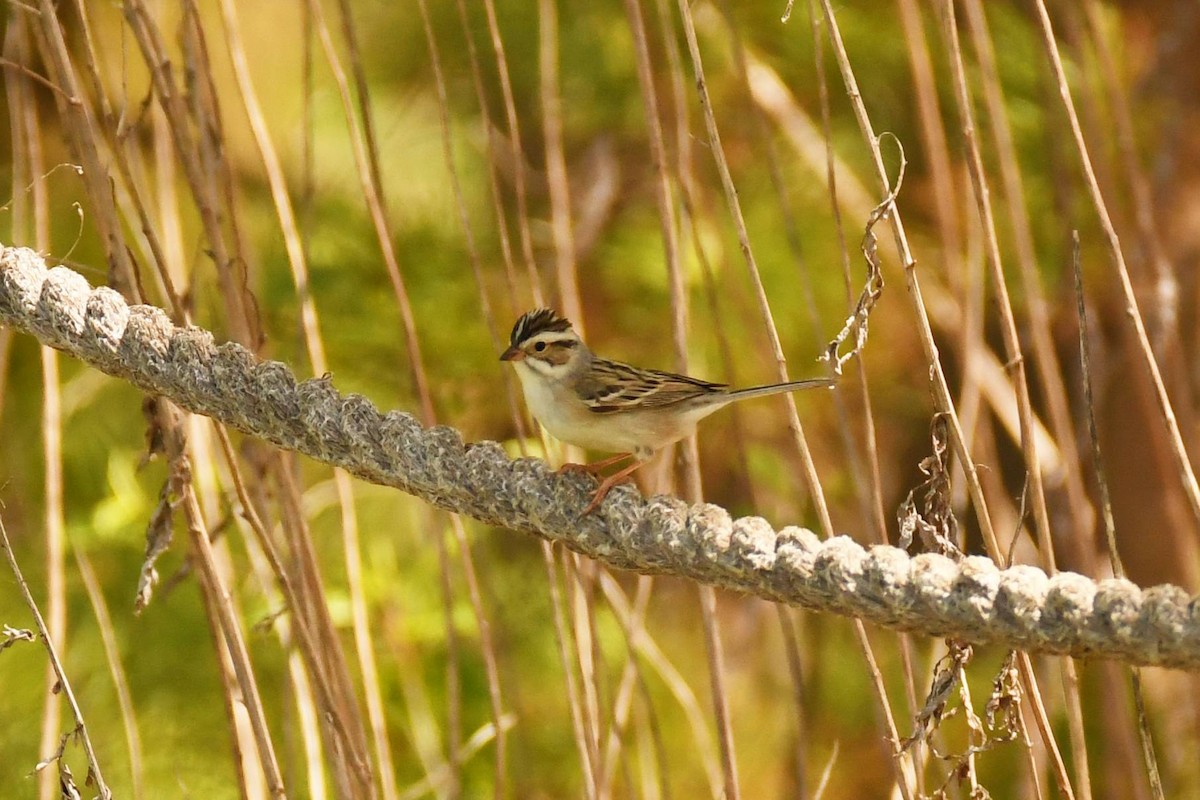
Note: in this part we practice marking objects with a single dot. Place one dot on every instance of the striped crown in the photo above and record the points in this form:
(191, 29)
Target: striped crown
(532, 323)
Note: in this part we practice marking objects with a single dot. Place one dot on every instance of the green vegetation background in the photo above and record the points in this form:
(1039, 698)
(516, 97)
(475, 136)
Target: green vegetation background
(168, 650)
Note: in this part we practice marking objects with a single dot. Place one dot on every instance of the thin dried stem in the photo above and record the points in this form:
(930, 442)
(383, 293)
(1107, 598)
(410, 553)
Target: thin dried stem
(34, 213)
(943, 399)
(662, 185)
(112, 655)
(1110, 527)
(630, 678)
(647, 649)
(581, 608)
(942, 396)
(1183, 465)
(1049, 371)
(64, 684)
(556, 163)
(487, 644)
(1016, 363)
(517, 153)
(197, 160)
(574, 699)
(903, 765)
(219, 600)
(373, 192)
(277, 181)
(872, 503)
(489, 134)
(310, 325)
(56, 579)
(80, 127)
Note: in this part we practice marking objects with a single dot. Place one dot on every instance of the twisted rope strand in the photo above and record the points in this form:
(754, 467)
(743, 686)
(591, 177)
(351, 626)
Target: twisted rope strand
(1020, 607)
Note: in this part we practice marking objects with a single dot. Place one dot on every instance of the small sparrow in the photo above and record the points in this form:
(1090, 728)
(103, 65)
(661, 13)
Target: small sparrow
(597, 404)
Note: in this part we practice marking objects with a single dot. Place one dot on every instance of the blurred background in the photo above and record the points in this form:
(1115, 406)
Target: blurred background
(377, 190)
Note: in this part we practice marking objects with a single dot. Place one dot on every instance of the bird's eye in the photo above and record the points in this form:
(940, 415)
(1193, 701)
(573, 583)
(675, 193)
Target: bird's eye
(540, 346)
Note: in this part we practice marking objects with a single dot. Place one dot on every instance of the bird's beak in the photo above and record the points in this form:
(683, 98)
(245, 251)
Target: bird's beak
(512, 354)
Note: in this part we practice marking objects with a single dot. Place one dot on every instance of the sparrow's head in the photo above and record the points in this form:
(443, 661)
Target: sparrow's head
(545, 343)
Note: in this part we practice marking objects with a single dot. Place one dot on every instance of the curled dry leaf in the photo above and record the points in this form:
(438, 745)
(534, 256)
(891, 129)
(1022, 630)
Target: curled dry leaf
(935, 523)
(856, 324)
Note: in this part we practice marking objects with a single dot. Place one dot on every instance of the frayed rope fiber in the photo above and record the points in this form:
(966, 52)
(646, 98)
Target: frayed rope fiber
(973, 599)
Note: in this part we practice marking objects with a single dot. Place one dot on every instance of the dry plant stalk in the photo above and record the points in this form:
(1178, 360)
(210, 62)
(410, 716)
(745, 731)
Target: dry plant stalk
(94, 777)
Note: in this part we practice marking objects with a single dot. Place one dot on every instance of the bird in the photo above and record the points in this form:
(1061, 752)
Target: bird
(602, 405)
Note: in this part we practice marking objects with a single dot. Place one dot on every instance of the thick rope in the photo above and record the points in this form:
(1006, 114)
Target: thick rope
(974, 600)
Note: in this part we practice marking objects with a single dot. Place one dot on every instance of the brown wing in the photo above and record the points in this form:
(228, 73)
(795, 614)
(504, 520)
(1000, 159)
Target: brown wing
(611, 386)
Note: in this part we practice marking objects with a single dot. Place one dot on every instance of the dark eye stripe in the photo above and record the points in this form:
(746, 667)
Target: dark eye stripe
(565, 344)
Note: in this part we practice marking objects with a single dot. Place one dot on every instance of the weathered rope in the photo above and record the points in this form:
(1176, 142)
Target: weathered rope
(1020, 607)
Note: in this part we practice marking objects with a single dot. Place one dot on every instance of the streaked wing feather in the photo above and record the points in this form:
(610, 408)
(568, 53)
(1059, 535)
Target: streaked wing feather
(611, 386)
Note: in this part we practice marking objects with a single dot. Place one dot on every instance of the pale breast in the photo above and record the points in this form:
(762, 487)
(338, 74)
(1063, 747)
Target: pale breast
(568, 419)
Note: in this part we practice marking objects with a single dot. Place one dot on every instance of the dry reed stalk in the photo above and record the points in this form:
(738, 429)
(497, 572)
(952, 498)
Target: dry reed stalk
(1110, 528)
(89, 142)
(718, 678)
(571, 677)
(353, 769)
(1049, 371)
(497, 710)
(310, 326)
(80, 127)
(517, 153)
(314, 692)
(933, 139)
(112, 656)
(687, 187)
(1016, 361)
(578, 578)
(489, 136)
(174, 122)
(55, 538)
(365, 155)
(587, 755)
(580, 573)
(550, 95)
(244, 703)
(201, 176)
(623, 698)
(122, 153)
(95, 776)
(205, 106)
(1183, 465)
(32, 214)
(494, 327)
(903, 765)
(942, 396)
(874, 515)
(647, 649)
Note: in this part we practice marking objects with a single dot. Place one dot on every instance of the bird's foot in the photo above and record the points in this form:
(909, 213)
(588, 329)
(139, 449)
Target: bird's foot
(595, 469)
(616, 479)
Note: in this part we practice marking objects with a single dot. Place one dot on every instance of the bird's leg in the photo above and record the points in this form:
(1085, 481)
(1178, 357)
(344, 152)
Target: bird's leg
(593, 469)
(621, 476)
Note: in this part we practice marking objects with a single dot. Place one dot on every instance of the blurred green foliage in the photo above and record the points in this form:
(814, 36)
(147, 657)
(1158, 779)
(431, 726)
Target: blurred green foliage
(168, 650)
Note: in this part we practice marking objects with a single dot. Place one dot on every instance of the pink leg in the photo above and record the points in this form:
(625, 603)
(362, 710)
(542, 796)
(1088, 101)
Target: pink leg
(594, 468)
(608, 483)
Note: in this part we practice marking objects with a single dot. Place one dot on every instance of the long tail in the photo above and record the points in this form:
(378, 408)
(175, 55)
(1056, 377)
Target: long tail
(779, 388)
